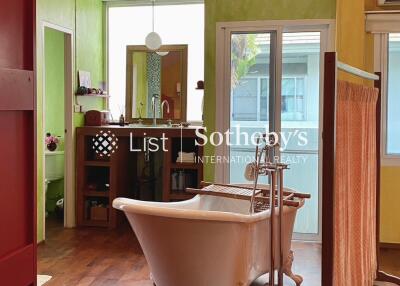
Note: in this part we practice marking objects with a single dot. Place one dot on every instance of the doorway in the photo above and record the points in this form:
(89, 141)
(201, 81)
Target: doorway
(57, 118)
(271, 72)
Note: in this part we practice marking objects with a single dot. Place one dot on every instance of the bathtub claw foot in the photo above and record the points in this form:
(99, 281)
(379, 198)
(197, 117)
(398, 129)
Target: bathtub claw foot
(152, 280)
(287, 269)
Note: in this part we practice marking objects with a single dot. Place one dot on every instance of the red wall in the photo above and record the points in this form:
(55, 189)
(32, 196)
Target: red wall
(17, 143)
(16, 34)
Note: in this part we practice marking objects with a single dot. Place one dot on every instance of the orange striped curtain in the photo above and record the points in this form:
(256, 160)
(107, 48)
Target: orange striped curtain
(355, 260)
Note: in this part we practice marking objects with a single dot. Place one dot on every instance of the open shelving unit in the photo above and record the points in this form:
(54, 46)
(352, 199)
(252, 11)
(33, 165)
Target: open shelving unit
(99, 182)
(102, 179)
(192, 173)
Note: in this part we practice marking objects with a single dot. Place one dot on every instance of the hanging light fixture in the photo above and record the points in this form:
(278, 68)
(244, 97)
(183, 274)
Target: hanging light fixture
(162, 53)
(153, 40)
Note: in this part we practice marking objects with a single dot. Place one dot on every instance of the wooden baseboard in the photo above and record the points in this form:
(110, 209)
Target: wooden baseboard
(389, 245)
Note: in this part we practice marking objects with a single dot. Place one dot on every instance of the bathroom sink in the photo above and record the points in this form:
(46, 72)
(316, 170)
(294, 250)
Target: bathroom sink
(141, 125)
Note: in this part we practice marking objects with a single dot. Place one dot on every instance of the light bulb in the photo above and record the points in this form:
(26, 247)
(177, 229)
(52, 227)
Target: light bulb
(153, 41)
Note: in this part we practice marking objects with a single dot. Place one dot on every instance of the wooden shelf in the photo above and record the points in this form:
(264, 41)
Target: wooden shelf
(93, 95)
(98, 163)
(96, 194)
(192, 166)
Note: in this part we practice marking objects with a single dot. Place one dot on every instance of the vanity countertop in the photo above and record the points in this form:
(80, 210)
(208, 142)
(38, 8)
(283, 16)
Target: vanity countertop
(142, 130)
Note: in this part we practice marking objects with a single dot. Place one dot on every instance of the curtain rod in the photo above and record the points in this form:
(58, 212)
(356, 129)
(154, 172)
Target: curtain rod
(356, 71)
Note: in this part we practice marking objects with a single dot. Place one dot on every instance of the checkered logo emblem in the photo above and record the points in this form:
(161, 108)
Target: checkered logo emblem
(105, 143)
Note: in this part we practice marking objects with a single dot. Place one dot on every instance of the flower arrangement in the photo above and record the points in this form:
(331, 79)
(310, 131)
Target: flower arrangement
(51, 142)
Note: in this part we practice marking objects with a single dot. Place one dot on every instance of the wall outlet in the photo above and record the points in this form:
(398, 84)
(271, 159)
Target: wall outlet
(77, 108)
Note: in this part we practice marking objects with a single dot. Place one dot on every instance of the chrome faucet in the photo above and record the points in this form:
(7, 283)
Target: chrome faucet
(165, 102)
(154, 99)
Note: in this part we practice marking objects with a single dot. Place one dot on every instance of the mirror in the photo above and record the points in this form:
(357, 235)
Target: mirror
(156, 84)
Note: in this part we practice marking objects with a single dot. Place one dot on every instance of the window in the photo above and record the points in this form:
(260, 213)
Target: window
(250, 99)
(393, 97)
(130, 26)
(293, 98)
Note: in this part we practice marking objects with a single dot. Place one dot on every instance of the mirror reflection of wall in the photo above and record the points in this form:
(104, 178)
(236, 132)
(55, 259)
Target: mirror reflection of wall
(156, 82)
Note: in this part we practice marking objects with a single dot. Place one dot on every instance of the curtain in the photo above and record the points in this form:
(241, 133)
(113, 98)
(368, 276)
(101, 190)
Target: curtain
(355, 260)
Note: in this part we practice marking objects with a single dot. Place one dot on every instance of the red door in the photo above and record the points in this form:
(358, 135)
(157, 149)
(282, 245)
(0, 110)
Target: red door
(17, 144)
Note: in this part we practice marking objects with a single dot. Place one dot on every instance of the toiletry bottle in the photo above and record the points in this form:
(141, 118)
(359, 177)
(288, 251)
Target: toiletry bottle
(122, 120)
(174, 178)
(181, 181)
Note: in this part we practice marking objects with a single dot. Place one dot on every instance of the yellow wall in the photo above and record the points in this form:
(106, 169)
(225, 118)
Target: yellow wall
(355, 47)
(351, 38)
(390, 196)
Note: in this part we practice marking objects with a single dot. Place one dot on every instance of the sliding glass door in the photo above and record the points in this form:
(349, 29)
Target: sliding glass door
(275, 87)
(300, 118)
(250, 75)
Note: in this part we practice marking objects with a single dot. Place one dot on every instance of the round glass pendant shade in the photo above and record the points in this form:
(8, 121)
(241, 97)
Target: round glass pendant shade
(153, 41)
(162, 53)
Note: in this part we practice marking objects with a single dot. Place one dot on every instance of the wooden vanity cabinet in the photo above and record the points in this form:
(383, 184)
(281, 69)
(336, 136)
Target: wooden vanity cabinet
(101, 179)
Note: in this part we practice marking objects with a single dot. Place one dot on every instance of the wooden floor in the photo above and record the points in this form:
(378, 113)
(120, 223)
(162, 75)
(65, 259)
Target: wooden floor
(95, 256)
(390, 261)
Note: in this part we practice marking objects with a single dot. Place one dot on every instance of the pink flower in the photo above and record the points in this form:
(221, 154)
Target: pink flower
(51, 139)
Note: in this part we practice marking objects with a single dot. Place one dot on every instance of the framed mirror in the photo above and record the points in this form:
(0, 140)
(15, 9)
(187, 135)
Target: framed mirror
(156, 84)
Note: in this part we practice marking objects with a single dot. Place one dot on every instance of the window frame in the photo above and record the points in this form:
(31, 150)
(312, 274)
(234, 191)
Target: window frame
(381, 25)
(382, 53)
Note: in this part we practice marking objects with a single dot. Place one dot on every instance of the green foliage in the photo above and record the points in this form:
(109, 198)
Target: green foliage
(243, 56)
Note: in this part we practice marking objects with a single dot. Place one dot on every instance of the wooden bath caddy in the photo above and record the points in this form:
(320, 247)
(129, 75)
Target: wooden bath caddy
(262, 198)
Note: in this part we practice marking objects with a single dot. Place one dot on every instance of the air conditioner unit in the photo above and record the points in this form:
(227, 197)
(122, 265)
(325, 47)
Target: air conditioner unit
(389, 2)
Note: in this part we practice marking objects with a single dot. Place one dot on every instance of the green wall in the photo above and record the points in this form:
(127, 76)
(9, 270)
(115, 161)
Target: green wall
(248, 10)
(88, 29)
(90, 49)
(140, 59)
(54, 83)
(54, 101)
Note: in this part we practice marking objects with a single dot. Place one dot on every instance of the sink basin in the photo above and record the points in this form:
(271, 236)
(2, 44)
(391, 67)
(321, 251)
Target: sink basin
(141, 125)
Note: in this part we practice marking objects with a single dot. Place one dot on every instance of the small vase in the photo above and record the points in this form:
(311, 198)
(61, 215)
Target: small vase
(52, 146)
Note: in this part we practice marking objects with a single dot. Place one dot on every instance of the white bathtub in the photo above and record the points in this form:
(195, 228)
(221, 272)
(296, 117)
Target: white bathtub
(205, 241)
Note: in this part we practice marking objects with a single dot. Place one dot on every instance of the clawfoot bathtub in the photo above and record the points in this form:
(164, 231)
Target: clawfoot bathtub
(206, 241)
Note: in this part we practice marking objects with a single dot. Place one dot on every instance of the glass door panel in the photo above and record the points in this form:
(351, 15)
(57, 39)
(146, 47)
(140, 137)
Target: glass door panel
(250, 96)
(300, 122)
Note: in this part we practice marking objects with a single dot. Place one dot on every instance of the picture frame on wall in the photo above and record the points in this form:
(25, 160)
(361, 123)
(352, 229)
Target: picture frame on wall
(84, 78)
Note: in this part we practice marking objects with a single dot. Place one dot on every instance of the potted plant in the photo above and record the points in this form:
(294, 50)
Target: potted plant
(51, 142)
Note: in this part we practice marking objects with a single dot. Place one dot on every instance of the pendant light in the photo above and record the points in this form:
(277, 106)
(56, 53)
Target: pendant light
(162, 53)
(153, 40)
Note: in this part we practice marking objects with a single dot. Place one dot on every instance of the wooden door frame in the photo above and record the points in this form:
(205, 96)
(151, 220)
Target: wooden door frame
(69, 135)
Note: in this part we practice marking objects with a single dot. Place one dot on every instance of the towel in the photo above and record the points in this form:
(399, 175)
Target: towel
(184, 157)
